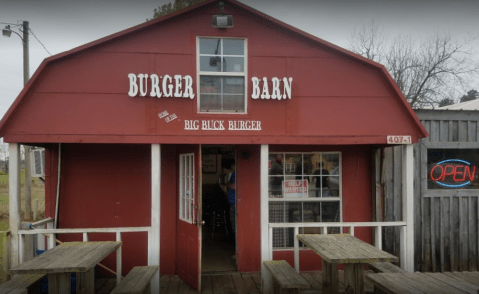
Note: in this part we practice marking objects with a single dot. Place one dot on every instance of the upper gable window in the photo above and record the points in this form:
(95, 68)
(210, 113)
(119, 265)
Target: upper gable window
(222, 72)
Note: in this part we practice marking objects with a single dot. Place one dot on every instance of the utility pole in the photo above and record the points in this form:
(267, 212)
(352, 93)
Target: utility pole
(26, 77)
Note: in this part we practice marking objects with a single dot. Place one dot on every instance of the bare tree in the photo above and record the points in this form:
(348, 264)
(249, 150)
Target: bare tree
(369, 41)
(172, 7)
(427, 72)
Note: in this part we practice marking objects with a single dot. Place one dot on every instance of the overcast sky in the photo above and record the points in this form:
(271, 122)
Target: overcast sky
(65, 24)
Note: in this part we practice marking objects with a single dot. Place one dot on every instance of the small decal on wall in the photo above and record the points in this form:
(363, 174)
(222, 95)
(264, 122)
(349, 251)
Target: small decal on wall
(170, 118)
(163, 114)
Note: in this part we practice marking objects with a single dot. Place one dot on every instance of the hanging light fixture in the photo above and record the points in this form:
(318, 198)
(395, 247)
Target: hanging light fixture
(222, 20)
(7, 32)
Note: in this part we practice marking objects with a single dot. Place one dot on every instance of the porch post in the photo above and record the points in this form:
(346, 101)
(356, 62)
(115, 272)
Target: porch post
(266, 248)
(154, 234)
(407, 232)
(14, 200)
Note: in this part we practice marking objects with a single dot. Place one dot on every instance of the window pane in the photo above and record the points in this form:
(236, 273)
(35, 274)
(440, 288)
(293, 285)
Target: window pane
(330, 161)
(210, 102)
(210, 63)
(210, 85)
(276, 187)
(333, 184)
(210, 46)
(294, 163)
(233, 64)
(233, 85)
(233, 47)
(233, 102)
(330, 211)
(275, 164)
(313, 163)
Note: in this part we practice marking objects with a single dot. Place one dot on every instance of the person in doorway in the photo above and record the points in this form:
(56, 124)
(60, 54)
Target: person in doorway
(232, 203)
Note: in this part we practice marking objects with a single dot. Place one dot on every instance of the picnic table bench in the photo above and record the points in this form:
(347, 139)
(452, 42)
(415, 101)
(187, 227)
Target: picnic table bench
(446, 283)
(286, 279)
(21, 283)
(136, 281)
(385, 267)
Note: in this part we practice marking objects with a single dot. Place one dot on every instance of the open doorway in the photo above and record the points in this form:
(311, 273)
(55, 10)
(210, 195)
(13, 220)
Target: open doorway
(218, 233)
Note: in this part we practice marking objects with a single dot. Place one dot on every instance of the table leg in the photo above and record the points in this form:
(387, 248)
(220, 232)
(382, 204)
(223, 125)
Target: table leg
(353, 278)
(59, 283)
(86, 282)
(330, 278)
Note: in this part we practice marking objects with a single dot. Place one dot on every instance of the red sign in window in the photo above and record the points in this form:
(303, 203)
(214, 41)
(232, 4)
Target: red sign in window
(458, 172)
(453, 168)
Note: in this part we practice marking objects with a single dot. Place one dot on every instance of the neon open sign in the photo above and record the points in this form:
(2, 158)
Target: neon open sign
(453, 173)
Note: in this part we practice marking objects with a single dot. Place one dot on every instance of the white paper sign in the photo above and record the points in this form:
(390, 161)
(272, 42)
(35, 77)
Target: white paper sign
(295, 189)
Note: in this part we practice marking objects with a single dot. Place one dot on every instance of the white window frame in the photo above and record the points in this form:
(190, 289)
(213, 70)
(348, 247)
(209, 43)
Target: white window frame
(338, 198)
(187, 187)
(240, 74)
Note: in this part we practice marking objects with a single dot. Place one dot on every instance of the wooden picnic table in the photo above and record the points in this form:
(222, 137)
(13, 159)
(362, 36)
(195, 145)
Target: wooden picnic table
(348, 250)
(66, 258)
(447, 282)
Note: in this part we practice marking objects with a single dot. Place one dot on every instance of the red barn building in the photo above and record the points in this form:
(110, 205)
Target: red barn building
(143, 129)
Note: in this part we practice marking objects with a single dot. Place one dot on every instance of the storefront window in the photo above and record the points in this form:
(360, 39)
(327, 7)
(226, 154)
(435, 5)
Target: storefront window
(453, 168)
(222, 75)
(303, 187)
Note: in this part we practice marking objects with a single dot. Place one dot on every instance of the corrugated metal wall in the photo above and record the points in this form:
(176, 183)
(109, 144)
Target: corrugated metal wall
(446, 221)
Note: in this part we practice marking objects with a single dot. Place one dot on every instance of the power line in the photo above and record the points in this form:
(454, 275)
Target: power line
(39, 41)
(8, 23)
(21, 26)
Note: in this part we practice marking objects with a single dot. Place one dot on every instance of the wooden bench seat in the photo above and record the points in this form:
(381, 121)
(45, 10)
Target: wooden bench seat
(385, 267)
(21, 283)
(286, 279)
(137, 280)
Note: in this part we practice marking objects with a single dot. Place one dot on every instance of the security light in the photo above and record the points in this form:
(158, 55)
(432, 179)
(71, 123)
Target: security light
(7, 32)
(222, 20)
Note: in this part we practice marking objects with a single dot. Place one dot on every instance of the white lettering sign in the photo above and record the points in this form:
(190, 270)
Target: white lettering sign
(140, 84)
(275, 93)
(222, 125)
(182, 86)
(192, 125)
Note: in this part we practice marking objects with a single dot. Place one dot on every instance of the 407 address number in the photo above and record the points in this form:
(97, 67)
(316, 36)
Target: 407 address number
(399, 139)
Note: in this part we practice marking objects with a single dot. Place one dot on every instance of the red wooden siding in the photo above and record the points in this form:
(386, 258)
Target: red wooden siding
(103, 186)
(248, 207)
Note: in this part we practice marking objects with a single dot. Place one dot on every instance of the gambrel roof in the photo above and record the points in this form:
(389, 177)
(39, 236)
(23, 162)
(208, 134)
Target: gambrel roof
(81, 95)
